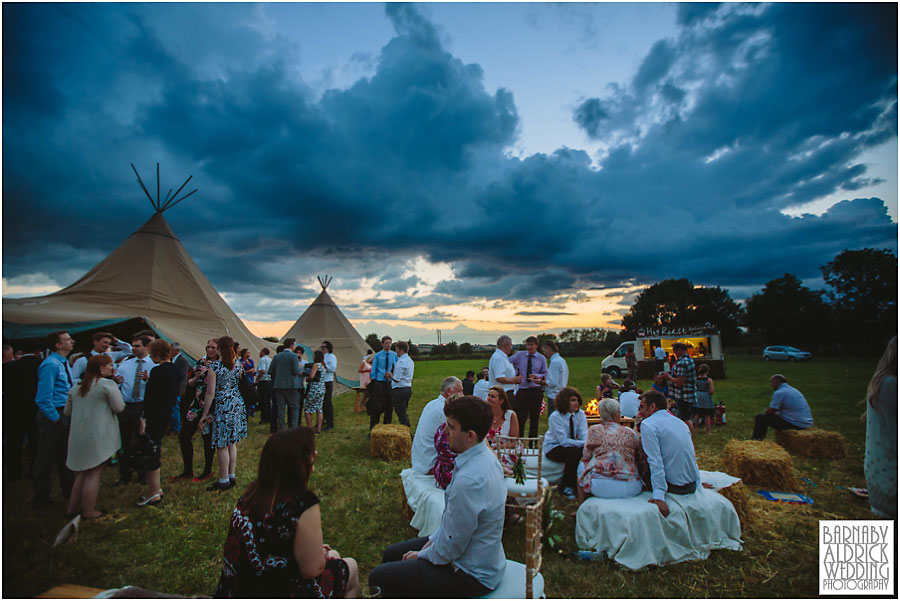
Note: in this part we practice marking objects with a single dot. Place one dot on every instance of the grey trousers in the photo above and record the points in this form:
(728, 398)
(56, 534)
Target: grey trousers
(285, 397)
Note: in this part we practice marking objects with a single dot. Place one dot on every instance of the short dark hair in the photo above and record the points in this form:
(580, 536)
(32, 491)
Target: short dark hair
(472, 414)
(561, 402)
(626, 385)
(679, 345)
(655, 397)
(532, 339)
(328, 345)
(144, 340)
(383, 338)
(551, 344)
(703, 369)
(279, 348)
(288, 342)
(470, 373)
(480, 376)
(101, 335)
(264, 350)
(145, 332)
(53, 338)
(401, 345)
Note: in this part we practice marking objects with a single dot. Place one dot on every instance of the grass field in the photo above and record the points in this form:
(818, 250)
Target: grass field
(176, 547)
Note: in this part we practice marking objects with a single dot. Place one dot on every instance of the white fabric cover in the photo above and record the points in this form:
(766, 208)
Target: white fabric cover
(634, 534)
(424, 498)
(719, 480)
(551, 471)
(513, 584)
(526, 492)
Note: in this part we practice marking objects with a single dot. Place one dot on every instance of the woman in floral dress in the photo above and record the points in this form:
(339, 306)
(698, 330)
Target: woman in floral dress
(229, 421)
(609, 467)
(192, 404)
(316, 393)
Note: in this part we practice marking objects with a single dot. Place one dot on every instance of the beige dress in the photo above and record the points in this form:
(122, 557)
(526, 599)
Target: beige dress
(94, 435)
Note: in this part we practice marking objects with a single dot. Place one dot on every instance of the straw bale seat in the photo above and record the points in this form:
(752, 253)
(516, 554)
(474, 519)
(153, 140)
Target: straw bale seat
(732, 489)
(390, 441)
(760, 462)
(424, 501)
(813, 442)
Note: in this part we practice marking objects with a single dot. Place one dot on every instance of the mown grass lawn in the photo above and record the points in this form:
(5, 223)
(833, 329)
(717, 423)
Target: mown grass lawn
(176, 546)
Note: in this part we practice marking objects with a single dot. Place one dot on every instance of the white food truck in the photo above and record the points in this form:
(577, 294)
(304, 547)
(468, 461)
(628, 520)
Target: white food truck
(703, 342)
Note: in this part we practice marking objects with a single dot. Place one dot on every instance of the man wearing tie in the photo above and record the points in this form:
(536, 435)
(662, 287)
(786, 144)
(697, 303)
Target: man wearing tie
(532, 366)
(328, 368)
(54, 382)
(131, 375)
(380, 398)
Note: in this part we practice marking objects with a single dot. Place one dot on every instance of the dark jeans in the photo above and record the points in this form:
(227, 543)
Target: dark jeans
(570, 456)
(188, 428)
(53, 446)
(379, 402)
(418, 578)
(685, 410)
(764, 421)
(328, 407)
(129, 420)
(528, 406)
(265, 402)
(400, 399)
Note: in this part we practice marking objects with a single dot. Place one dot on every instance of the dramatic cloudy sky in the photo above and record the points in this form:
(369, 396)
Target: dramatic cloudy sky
(471, 168)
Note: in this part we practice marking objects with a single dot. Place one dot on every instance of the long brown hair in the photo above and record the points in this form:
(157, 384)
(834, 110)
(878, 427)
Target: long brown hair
(226, 351)
(887, 366)
(284, 468)
(504, 402)
(92, 372)
(561, 402)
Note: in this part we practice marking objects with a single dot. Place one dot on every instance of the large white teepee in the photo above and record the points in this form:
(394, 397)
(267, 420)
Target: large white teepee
(149, 276)
(323, 320)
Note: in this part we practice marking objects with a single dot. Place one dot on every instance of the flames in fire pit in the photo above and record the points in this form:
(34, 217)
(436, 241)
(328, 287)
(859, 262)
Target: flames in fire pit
(591, 408)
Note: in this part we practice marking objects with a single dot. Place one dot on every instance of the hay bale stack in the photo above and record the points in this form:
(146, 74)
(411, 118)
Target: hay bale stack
(740, 499)
(405, 510)
(760, 462)
(813, 442)
(390, 441)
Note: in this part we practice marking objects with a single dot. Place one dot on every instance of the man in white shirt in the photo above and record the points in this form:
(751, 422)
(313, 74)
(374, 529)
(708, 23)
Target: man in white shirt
(667, 443)
(660, 354)
(481, 386)
(464, 556)
(328, 378)
(263, 383)
(101, 342)
(501, 372)
(401, 384)
(629, 400)
(557, 371)
(432, 416)
(131, 376)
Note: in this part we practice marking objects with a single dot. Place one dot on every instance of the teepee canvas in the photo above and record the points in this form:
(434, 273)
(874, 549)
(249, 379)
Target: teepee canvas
(148, 277)
(323, 320)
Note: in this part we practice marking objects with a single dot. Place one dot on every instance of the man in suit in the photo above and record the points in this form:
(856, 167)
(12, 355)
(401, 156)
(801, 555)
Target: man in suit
(285, 378)
(20, 379)
(183, 366)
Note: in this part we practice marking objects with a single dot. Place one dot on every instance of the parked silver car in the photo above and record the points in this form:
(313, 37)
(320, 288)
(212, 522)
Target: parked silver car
(785, 353)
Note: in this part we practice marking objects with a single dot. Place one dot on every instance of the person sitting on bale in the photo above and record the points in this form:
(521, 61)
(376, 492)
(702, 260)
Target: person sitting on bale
(787, 411)
(609, 468)
(274, 545)
(564, 438)
(666, 441)
(423, 452)
(464, 556)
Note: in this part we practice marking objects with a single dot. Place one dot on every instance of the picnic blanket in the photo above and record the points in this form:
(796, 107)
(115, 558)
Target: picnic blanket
(634, 534)
(424, 498)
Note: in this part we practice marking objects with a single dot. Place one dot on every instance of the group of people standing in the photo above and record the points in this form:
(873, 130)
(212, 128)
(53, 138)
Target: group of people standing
(296, 384)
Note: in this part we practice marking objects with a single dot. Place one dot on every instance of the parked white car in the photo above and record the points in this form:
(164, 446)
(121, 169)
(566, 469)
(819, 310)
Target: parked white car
(785, 353)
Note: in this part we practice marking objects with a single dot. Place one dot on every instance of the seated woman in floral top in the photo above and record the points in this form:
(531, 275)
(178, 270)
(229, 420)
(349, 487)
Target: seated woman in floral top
(274, 546)
(609, 467)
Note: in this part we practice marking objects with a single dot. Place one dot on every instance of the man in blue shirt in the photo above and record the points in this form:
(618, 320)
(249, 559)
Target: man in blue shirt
(787, 411)
(54, 382)
(464, 556)
(380, 394)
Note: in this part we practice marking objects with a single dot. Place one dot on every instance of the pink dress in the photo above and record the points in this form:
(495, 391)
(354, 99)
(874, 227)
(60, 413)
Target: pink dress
(363, 371)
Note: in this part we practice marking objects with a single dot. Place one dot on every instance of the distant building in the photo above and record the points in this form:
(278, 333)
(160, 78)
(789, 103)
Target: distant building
(425, 349)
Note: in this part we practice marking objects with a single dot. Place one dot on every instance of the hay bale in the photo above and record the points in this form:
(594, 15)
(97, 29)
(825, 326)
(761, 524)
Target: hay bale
(740, 499)
(760, 462)
(390, 441)
(813, 442)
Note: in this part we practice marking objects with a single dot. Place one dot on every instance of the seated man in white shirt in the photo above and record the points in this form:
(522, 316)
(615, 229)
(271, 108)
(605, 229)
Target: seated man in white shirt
(432, 416)
(464, 556)
(481, 386)
(667, 443)
(628, 400)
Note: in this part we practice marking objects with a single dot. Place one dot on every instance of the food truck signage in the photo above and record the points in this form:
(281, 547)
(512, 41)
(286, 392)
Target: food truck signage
(705, 329)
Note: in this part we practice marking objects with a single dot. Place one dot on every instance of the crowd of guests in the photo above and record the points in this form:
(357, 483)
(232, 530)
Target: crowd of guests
(274, 546)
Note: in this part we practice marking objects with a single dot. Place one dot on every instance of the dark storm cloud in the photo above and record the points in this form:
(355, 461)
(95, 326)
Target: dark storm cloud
(748, 110)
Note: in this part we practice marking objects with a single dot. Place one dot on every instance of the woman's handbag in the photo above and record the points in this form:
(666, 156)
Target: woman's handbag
(143, 454)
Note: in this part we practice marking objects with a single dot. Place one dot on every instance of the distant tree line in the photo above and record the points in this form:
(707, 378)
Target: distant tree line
(858, 308)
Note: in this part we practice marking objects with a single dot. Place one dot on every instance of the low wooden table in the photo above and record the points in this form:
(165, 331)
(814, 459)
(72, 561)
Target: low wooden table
(625, 421)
